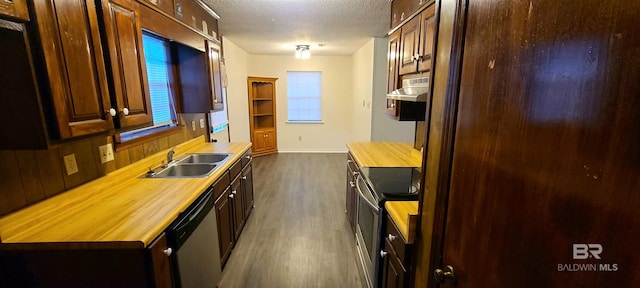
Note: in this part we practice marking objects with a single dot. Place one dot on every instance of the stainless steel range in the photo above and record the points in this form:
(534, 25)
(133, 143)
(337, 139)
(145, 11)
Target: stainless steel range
(375, 186)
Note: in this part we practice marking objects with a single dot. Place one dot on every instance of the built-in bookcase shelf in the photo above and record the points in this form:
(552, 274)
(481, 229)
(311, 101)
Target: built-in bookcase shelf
(262, 115)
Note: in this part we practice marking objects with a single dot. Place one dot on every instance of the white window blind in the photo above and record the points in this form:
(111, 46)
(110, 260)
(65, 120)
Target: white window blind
(156, 54)
(304, 95)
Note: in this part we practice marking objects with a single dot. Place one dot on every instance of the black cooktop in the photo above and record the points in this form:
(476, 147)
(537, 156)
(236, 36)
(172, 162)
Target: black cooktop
(393, 183)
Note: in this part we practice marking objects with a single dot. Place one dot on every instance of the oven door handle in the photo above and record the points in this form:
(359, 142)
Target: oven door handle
(373, 206)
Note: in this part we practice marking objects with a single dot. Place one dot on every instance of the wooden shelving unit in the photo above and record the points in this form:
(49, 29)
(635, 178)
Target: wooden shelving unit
(262, 115)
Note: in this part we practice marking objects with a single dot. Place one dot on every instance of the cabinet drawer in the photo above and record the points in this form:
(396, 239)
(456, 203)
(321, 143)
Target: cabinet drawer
(221, 185)
(352, 164)
(235, 169)
(398, 244)
(246, 158)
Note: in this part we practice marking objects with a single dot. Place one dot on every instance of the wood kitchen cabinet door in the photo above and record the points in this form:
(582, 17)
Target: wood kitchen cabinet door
(238, 207)
(393, 273)
(74, 63)
(160, 262)
(224, 216)
(427, 38)
(409, 44)
(215, 75)
(14, 9)
(247, 189)
(128, 70)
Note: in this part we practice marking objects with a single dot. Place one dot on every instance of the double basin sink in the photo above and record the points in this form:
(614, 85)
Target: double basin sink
(192, 166)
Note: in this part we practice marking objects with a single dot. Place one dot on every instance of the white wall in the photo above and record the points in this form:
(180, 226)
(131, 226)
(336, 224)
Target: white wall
(334, 133)
(362, 93)
(346, 82)
(236, 61)
(383, 128)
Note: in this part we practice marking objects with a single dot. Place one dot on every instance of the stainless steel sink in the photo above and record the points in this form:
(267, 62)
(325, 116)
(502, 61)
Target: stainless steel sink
(191, 170)
(204, 158)
(197, 165)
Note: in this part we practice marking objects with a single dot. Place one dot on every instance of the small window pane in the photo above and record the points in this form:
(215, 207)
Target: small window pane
(304, 96)
(156, 54)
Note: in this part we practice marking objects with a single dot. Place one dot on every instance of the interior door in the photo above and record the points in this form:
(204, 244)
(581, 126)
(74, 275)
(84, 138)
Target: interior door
(544, 185)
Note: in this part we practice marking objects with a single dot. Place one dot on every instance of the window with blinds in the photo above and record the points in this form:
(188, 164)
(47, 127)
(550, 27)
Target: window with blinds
(304, 95)
(156, 54)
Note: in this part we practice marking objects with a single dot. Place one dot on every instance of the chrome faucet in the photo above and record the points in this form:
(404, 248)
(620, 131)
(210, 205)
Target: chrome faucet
(170, 155)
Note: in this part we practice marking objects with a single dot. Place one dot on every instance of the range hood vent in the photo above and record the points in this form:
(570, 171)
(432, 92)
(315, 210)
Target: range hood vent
(413, 90)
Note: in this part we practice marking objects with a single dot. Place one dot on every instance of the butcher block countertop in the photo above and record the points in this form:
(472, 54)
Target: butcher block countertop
(118, 210)
(405, 215)
(385, 154)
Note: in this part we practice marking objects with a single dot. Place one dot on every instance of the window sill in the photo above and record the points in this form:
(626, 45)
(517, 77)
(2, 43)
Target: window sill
(305, 122)
(144, 137)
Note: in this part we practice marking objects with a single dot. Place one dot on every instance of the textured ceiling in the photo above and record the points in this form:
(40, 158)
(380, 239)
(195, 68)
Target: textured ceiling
(276, 26)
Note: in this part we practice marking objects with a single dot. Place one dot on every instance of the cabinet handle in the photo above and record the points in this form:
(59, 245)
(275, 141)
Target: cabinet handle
(393, 105)
(355, 174)
(248, 157)
(234, 192)
(215, 101)
(383, 253)
(352, 184)
(244, 177)
(231, 196)
(402, 16)
(418, 57)
(125, 111)
(349, 161)
(168, 251)
(391, 237)
(112, 112)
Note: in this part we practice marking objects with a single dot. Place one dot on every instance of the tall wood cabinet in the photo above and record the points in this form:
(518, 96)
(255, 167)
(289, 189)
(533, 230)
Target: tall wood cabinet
(124, 42)
(262, 115)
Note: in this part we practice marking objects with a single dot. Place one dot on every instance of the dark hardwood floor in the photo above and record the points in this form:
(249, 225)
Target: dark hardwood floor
(298, 234)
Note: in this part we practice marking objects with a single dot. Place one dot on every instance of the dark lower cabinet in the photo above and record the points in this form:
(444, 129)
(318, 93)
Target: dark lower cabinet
(116, 264)
(352, 194)
(237, 200)
(394, 273)
(398, 267)
(247, 188)
(234, 206)
(224, 216)
(160, 262)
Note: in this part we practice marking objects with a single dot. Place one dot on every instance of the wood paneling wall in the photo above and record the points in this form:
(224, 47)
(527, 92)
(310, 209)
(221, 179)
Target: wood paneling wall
(30, 176)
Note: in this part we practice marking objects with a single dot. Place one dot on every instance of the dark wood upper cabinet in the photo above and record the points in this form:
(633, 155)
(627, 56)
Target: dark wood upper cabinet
(213, 59)
(200, 78)
(166, 6)
(124, 41)
(14, 10)
(427, 34)
(409, 44)
(417, 43)
(72, 51)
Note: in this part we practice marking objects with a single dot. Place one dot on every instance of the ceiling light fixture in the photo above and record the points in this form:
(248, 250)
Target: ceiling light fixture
(302, 52)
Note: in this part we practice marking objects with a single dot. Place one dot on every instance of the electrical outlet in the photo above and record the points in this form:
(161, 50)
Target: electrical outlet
(201, 123)
(70, 164)
(110, 155)
(106, 153)
(193, 125)
(299, 138)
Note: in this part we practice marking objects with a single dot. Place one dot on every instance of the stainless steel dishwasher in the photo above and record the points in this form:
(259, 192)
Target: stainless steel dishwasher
(194, 238)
